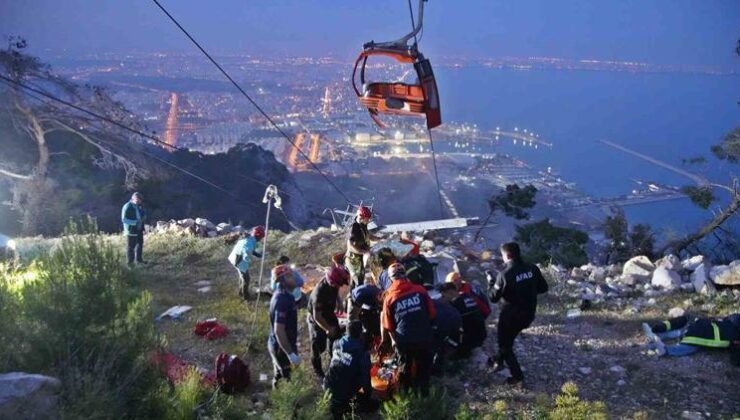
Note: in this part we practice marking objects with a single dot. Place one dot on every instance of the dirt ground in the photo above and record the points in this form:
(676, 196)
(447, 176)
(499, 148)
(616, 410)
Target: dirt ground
(606, 341)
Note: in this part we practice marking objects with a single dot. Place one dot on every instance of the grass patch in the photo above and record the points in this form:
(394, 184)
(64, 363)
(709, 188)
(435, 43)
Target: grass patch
(301, 398)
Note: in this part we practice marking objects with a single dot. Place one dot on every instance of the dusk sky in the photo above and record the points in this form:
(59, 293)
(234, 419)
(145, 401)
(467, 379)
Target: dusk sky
(695, 32)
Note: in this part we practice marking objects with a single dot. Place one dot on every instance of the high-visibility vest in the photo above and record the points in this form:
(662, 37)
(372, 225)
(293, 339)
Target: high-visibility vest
(708, 333)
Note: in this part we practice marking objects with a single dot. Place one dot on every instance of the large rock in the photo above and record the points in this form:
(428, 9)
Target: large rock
(598, 275)
(186, 223)
(692, 263)
(700, 280)
(28, 396)
(638, 266)
(205, 223)
(666, 279)
(726, 275)
(671, 262)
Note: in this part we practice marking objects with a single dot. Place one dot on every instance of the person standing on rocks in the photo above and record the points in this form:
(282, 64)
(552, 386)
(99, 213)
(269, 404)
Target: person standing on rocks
(282, 342)
(132, 217)
(241, 255)
(358, 246)
(518, 285)
(323, 323)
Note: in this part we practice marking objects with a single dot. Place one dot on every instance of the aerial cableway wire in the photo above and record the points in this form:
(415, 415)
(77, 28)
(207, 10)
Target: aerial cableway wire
(252, 101)
(16, 84)
(431, 141)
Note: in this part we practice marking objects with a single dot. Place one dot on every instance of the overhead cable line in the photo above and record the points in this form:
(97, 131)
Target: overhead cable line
(16, 84)
(252, 101)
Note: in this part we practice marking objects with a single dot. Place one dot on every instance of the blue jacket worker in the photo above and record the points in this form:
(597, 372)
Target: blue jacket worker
(282, 342)
(448, 327)
(348, 376)
(241, 255)
(132, 217)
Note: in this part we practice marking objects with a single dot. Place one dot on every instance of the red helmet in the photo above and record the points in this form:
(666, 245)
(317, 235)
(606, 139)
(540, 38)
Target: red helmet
(337, 276)
(258, 232)
(364, 212)
(396, 271)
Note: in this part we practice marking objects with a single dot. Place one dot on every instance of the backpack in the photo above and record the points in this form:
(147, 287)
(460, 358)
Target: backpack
(232, 374)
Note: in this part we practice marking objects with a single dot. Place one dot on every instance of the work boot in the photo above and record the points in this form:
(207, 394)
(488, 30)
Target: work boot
(514, 382)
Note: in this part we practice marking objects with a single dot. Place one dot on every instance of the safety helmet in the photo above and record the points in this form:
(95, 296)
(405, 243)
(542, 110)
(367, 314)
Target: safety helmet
(396, 271)
(364, 212)
(258, 232)
(337, 276)
(453, 277)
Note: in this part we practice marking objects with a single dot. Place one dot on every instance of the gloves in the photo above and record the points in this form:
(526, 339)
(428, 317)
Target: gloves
(490, 277)
(294, 359)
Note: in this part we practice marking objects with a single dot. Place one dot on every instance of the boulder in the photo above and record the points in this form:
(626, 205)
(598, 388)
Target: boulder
(700, 281)
(577, 273)
(692, 263)
(671, 262)
(676, 312)
(427, 245)
(186, 223)
(665, 278)
(224, 228)
(638, 266)
(28, 396)
(726, 275)
(598, 275)
(205, 223)
(628, 280)
(212, 234)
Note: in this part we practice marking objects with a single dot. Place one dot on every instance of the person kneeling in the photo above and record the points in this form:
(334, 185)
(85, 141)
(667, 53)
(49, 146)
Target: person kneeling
(348, 377)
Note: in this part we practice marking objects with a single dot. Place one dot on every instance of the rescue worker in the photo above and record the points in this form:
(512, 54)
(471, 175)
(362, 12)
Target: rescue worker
(448, 327)
(348, 377)
(281, 343)
(693, 334)
(518, 285)
(474, 330)
(366, 301)
(241, 254)
(299, 282)
(464, 287)
(132, 217)
(408, 312)
(323, 323)
(384, 259)
(358, 246)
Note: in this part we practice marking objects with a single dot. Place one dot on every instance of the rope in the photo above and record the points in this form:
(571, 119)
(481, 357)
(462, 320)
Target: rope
(436, 175)
(252, 101)
(255, 308)
(413, 25)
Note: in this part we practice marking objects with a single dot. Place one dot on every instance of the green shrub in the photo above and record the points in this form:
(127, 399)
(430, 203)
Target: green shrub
(77, 315)
(300, 398)
(569, 406)
(407, 406)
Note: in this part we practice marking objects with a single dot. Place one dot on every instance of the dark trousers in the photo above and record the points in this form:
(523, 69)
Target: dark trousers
(243, 284)
(510, 323)
(280, 363)
(319, 340)
(135, 248)
(670, 325)
(415, 368)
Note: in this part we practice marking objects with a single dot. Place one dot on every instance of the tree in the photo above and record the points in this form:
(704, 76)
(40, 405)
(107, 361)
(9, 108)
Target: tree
(615, 230)
(545, 243)
(642, 240)
(37, 122)
(727, 150)
(513, 201)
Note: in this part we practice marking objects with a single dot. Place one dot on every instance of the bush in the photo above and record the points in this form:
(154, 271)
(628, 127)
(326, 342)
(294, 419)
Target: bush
(569, 406)
(299, 399)
(406, 406)
(77, 315)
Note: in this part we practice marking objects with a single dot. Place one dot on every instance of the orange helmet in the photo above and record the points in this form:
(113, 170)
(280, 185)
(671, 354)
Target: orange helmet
(280, 271)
